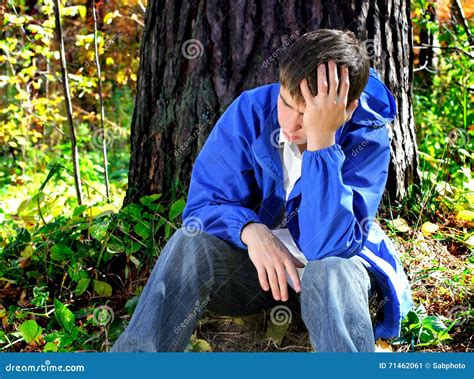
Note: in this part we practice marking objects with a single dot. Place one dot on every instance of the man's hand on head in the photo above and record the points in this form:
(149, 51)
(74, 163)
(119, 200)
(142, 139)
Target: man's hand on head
(328, 110)
(272, 260)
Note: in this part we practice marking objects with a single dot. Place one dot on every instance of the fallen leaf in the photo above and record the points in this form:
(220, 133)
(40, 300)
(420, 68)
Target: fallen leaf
(429, 228)
(400, 225)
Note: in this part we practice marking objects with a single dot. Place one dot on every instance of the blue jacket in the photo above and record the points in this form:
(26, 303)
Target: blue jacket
(237, 178)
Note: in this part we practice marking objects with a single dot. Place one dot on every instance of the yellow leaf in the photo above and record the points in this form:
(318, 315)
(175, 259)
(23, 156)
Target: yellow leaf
(400, 225)
(465, 215)
(95, 211)
(109, 61)
(429, 228)
(382, 347)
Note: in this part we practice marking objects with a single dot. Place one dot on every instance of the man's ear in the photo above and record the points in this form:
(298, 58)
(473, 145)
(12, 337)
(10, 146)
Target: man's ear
(351, 109)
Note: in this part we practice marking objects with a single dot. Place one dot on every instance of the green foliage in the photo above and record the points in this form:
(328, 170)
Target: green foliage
(55, 250)
(444, 121)
(30, 330)
(419, 329)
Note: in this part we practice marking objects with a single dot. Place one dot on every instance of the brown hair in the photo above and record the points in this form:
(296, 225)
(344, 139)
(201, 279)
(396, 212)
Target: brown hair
(320, 46)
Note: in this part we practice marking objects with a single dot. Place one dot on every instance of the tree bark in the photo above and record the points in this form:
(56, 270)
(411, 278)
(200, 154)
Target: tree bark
(197, 56)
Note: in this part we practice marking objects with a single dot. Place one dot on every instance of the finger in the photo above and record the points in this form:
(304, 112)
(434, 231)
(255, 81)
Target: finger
(333, 79)
(293, 273)
(262, 278)
(281, 272)
(344, 85)
(322, 79)
(297, 262)
(272, 277)
(308, 96)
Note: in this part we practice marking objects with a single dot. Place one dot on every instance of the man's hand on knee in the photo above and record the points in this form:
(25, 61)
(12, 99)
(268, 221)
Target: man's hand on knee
(272, 260)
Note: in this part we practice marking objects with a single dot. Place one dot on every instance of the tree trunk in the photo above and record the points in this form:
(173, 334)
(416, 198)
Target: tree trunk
(197, 56)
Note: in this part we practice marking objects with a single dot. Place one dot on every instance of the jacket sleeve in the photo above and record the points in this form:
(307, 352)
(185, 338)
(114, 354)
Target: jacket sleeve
(222, 191)
(342, 185)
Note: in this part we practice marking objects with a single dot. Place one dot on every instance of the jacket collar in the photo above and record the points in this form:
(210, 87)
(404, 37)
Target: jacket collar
(265, 147)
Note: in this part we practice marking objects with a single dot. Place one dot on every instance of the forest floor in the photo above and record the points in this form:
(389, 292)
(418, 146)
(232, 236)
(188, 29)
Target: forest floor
(433, 287)
(433, 269)
(436, 270)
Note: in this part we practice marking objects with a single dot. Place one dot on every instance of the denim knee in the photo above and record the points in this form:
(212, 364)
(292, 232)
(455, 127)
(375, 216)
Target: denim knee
(323, 272)
(190, 252)
(187, 244)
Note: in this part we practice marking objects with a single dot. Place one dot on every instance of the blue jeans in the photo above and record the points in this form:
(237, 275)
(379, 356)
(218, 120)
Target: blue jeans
(197, 271)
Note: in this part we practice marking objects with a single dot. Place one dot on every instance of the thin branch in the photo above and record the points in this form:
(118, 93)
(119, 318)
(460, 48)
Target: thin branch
(106, 120)
(34, 114)
(424, 67)
(102, 116)
(426, 46)
(67, 98)
(465, 25)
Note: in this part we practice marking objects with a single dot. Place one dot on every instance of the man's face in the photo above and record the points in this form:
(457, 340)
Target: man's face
(290, 117)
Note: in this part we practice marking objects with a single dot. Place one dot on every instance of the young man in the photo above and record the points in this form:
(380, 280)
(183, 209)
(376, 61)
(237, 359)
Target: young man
(285, 190)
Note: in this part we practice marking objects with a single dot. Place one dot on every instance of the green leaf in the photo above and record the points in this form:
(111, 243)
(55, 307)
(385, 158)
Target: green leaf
(102, 288)
(276, 331)
(176, 209)
(82, 285)
(132, 247)
(433, 323)
(79, 210)
(50, 347)
(143, 229)
(61, 252)
(62, 339)
(131, 304)
(63, 315)
(30, 330)
(198, 345)
(134, 211)
(426, 336)
(147, 200)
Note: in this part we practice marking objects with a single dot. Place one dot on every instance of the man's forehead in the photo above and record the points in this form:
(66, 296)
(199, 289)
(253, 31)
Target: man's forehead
(288, 99)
